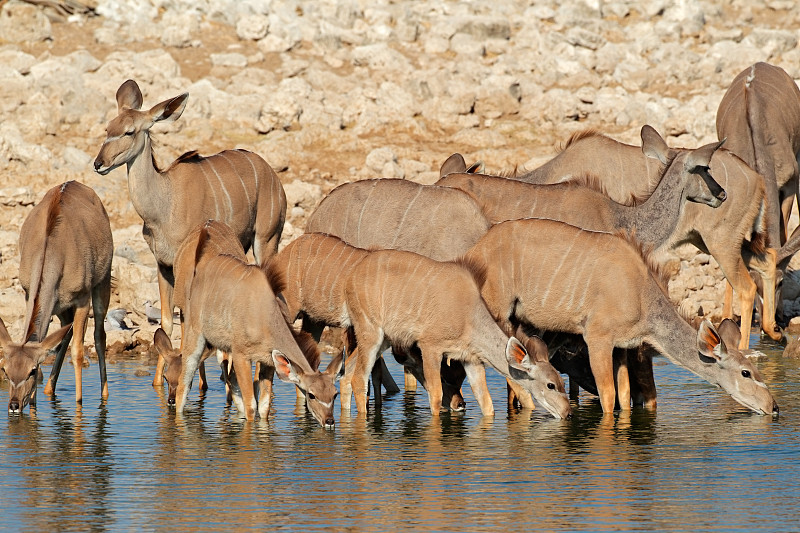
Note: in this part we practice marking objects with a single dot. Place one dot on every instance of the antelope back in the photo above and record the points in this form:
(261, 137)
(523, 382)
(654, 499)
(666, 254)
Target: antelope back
(411, 297)
(66, 249)
(218, 239)
(437, 222)
(554, 276)
(314, 267)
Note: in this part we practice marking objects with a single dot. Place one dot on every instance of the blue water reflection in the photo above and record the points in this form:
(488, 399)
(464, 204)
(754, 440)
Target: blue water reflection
(700, 462)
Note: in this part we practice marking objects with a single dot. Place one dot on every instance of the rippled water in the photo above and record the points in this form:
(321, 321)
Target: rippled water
(700, 462)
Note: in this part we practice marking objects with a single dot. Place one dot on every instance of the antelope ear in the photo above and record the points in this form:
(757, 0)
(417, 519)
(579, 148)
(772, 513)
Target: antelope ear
(5, 338)
(475, 168)
(709, 342)
(51, 341)
(517, 355)
(129, 96)
(537, 349)
(336, 367)
(285, 368)
(700, 158)
(653, 145)
(730, 333)
(162, 342)
(169, 110)
(453, 164)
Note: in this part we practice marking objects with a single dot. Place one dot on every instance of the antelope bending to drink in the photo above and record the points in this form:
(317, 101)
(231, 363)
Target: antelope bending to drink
(734, 233)
(408, 299)
(231, 306)
(557, 277)
(316, 267)
(236, 187)
(65, 268)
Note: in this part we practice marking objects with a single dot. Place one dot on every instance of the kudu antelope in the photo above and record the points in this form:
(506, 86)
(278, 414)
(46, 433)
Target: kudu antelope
(733, 233)
(234, 186)
(65, 269)
(315, 267)
(408, 299)
(550, 275)
(760, 116)
(232, 307)
(388, 213)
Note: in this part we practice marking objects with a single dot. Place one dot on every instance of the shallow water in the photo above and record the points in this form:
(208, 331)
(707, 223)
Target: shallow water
(700, 462)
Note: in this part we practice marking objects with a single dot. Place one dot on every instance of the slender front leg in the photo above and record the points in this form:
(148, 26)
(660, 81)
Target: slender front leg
(622, 380)
(409, 381)
(376, 382)
(431, 369)
(244, 376)
(476, 375)
(765, 265)
(101, 295)
(346, 383)
(640, 369)
(189, 364)
(265, 375)
(602, 364)
(67, 317)
(165, 295)
(727, 301)
(369, 346)
(77, 348)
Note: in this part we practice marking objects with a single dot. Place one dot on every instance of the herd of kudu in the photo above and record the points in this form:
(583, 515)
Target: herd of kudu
(557, 269)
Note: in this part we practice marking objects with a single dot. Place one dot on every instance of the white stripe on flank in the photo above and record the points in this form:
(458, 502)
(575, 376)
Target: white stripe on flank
(224, 189)
(250, 208)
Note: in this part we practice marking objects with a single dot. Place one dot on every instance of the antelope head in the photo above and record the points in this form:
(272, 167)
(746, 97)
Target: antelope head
(173, 360)
(127, 132)
(21, 365)
(318, 387)
(700, 185)
(534, 372)
(724, 365)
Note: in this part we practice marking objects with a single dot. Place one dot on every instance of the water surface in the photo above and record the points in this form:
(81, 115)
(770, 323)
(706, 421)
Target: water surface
(700, 462)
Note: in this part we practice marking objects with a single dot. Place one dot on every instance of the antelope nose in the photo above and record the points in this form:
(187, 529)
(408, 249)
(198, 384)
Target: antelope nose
(775, 409)
(722, 196)
(97, 164)
(569, 415)
(13, 406)
(330, 422)
(171, 401)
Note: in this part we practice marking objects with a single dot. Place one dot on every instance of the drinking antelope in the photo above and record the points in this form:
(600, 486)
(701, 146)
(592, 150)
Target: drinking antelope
(733, 233)
(316, 267)
(234, 186)
(407, 299)
(65, 268)
(557, 277)
(231, 306)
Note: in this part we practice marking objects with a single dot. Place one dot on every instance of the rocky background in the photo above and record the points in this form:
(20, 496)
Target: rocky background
(337, 90)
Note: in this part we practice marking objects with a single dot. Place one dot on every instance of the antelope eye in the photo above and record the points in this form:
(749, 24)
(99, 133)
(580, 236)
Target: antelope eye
(130, 132)
(551, 386)
(32, 372)
(311, 396)
(745, 373)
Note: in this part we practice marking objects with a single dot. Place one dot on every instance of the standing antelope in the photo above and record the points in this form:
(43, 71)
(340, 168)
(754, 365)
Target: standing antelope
(557, 277)
(231, 306)
(408, 299)
(316, 267)
(733, 233)
(760, 116)
(235, 186)
(65, 268)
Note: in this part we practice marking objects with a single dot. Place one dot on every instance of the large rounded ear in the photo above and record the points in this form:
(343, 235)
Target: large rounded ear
(51, 341)
(162, 342)
(285, 368)
(653, 145)
(517, 355)
(169, 110)
(709, 342)
(336, 366)
(537, 349)
(5, 338)
(730, 333)
(129, 96)
(453, 164)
